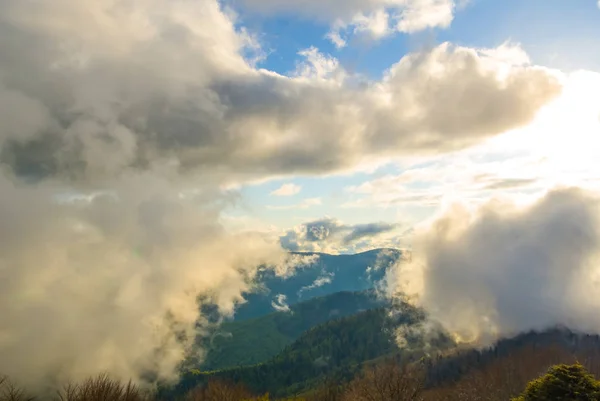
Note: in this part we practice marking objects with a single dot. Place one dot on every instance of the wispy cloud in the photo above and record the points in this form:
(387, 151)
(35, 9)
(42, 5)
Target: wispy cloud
(287, 190)
(373, 18)
(305, 204)
(280, 303)
(319, 282)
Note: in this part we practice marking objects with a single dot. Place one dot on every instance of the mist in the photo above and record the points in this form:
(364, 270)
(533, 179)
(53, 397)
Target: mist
(501, 269)
(110, 284)
(147, 110)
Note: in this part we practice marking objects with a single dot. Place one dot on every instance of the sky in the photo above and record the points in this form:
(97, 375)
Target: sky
(408, 189)
(154, 150)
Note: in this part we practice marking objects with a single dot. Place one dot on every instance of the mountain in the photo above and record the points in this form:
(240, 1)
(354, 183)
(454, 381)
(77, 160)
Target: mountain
(327, 275)
(335, 349)
(555, 345)
(256, 340)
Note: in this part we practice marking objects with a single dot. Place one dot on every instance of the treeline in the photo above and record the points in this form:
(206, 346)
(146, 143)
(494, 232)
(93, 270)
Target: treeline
(235, 343)
(499, 373)
(335, 350)
(533, 374)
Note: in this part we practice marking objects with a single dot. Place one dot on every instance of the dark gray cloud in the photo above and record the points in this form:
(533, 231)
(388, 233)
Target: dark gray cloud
(362, 231)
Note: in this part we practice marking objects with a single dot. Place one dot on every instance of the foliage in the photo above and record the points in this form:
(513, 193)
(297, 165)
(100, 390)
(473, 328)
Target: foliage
(563, 382)
(217, 390)
(256, 340)
(503, 371)
(10, 392)
(386, 382)
(500, 373)
(534, 350)
(335, 350)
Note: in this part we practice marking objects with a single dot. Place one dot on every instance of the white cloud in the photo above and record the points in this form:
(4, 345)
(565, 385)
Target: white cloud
(319, 282)
(508, 52)
(336, 38)
(287, 190)
(501, 269)
(558, 148)
(318, 66)
(305, 204)
(375, 18)
(280, 303)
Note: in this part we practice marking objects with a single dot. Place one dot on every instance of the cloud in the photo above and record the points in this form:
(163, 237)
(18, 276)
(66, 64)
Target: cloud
(318, 66)
(158, 103)
(305, 204)
(455, 177)
(361, 231)
(89, 104)
(376, 18)
(319, 282)
(502, 269)
(111, 284)
(557, 149)
(280, 303)
(287, 190)
(332, 236)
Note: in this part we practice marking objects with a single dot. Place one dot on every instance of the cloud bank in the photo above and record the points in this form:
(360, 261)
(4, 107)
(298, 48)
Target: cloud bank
(503, 269)
(87, 103)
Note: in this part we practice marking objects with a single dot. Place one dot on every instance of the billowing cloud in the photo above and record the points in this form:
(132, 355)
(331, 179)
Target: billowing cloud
(111, 284)
(287, 190)
(152, 106)
(559, 148)
(89, 104)
(376, 18)
(331, 235)
(502, 269)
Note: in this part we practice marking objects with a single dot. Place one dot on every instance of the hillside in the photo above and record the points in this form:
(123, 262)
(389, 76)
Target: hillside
(339, 349)
(556, 343)
(256, 340)
(336, 349)
(327, 275)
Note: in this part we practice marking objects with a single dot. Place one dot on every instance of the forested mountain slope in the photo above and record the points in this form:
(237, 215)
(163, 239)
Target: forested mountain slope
(327, 275)
(256, 340)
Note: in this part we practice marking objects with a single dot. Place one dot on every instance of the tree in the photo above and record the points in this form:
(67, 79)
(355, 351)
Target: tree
(385, 382)
(10, 392)
(563, 382)
(102, 388)
(219, 391)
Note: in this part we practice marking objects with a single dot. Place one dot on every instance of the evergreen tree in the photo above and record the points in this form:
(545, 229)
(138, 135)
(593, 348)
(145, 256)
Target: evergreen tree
(563, 382)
